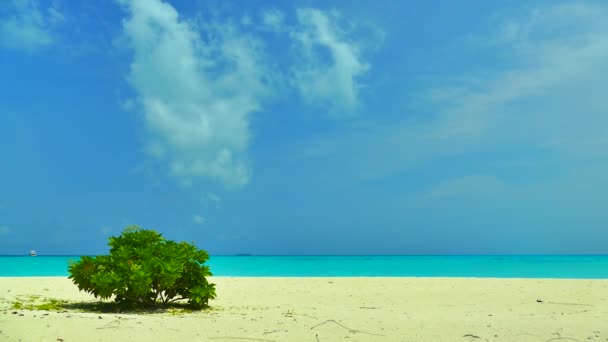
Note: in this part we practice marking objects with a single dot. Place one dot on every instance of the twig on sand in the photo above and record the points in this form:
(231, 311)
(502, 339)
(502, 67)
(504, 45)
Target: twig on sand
(471, 335)
(563, 338)
(569, 303)
(576, 312)
(291, 314)
(116, 323)
(309, 316)
(475, 337)
(240, 338)
(273, 331)
(112, 325)
(345, 327)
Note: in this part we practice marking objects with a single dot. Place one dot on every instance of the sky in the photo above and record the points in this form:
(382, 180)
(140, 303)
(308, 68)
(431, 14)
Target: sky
(305, 127)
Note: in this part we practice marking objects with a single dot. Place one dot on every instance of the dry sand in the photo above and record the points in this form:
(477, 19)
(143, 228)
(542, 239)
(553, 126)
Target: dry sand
(331, 309)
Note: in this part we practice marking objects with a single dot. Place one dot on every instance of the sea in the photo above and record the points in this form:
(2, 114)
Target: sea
(478, 266)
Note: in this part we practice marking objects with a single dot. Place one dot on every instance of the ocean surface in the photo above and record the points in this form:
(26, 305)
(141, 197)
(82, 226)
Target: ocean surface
(584, 267)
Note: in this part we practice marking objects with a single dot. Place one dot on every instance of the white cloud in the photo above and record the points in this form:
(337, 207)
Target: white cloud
(273, 19)
(331, 62)
(105, 230)
(213, 198)
(549, 99)
(471, 185)
(246, 20)
(198, 219)
(4, 230)
(54, 16)
(197, 94)
(27, 27)
(551, 92)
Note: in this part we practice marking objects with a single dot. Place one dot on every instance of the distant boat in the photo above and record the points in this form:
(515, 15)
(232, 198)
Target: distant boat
(33, 253)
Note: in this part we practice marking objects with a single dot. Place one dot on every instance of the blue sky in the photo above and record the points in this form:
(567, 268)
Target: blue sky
(305, 127)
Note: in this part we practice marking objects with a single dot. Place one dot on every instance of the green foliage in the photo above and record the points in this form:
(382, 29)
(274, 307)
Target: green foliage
(31, 304)
(143, 268)
(51, 304)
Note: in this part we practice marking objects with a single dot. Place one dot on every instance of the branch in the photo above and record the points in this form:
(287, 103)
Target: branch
(176, 299)
(569, 303)
(345, 327)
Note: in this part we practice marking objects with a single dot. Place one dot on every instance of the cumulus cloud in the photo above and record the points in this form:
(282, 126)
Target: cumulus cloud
(26, 26)
(273, 19)
(198, 219)
(211, 200)
(197, 91)
(331, 62)
(213, 197)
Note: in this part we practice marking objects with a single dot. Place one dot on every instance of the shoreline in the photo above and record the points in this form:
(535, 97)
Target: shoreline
(335, 277)
(537, 267)
(330, 309)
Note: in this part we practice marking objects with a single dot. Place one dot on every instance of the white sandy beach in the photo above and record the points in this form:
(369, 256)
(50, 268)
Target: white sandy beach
(331, 309)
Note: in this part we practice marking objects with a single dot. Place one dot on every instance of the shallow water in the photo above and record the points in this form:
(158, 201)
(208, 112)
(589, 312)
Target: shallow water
(587, 267)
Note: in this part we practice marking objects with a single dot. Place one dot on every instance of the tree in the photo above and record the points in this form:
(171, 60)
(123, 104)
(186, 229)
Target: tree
(143, 268)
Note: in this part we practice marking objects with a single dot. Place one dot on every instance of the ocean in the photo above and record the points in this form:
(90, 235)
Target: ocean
(494, 266)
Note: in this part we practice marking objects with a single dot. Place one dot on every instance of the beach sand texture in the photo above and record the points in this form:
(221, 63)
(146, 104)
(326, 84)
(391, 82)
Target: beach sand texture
(331, 309)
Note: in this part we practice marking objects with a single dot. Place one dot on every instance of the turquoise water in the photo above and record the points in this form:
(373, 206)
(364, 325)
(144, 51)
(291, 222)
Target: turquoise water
(592, 267)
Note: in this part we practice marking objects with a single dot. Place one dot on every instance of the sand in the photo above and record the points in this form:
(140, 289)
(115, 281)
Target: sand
(331, 309)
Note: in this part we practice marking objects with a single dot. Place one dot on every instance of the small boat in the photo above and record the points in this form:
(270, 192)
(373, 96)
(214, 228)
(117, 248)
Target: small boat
(33, 253)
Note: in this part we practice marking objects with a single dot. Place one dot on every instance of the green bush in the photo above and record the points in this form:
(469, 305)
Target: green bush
(144, 268)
